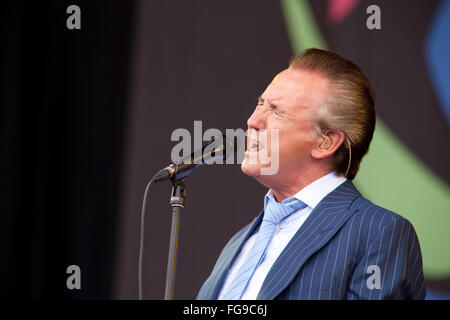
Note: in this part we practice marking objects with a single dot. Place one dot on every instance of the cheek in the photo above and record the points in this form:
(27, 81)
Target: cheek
(295, 146)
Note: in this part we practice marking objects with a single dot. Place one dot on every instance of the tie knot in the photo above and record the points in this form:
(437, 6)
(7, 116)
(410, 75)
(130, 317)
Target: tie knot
(275, 212)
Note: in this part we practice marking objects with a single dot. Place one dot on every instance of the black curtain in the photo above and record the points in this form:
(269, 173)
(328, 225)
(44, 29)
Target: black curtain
(63, 109)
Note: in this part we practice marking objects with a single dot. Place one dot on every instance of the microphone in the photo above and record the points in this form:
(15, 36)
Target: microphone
(214, 150)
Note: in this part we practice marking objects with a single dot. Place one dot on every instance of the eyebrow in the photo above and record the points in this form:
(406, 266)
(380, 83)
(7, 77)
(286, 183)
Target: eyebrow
(272, 104)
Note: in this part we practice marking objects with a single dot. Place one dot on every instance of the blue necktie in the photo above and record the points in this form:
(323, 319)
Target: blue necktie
(274, 213)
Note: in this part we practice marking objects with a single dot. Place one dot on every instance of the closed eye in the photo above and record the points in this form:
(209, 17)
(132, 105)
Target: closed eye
(276, 109)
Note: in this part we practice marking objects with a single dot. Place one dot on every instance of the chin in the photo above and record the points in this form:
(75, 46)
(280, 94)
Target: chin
(252, 170)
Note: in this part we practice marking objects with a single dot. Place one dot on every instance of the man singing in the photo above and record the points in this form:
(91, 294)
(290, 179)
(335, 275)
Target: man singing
(317, 237)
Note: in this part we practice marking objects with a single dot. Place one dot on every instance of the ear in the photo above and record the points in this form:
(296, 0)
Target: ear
(327, 143)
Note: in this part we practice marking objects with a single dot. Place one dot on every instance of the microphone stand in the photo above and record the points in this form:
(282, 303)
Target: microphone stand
(177, 197)
(178, 174)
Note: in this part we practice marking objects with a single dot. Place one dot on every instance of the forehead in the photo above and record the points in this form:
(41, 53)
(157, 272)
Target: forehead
(297, 88)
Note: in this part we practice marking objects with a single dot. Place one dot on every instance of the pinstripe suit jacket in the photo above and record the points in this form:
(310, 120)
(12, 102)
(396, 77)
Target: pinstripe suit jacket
(348, 248)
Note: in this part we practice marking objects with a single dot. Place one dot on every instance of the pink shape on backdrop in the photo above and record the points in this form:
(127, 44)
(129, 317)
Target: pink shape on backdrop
(338, 10)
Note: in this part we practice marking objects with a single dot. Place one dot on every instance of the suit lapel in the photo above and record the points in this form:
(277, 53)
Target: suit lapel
(324, 221)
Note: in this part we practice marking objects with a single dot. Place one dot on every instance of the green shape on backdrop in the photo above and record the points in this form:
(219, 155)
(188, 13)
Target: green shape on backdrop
(390, 174)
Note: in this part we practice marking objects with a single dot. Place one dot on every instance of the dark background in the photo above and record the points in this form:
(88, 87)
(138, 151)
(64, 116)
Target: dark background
(86, 120)
(63, 113)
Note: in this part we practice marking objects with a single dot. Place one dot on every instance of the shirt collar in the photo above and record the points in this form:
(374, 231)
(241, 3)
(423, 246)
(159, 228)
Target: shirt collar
(313, 193)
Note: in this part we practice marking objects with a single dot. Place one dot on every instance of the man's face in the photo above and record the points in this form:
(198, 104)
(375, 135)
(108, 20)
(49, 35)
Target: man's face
(288, 105)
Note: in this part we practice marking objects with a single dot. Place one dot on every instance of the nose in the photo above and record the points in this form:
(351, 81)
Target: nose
(257, 119)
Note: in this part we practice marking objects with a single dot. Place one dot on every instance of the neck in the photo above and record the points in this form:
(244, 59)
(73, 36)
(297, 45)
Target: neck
(289, 187)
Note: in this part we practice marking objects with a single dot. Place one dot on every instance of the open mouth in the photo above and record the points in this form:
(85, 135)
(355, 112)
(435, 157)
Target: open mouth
(253, 146)
(253, 142)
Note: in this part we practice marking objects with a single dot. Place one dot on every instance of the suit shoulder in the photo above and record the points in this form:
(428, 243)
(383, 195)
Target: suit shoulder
(380, 228)
(376, 216)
